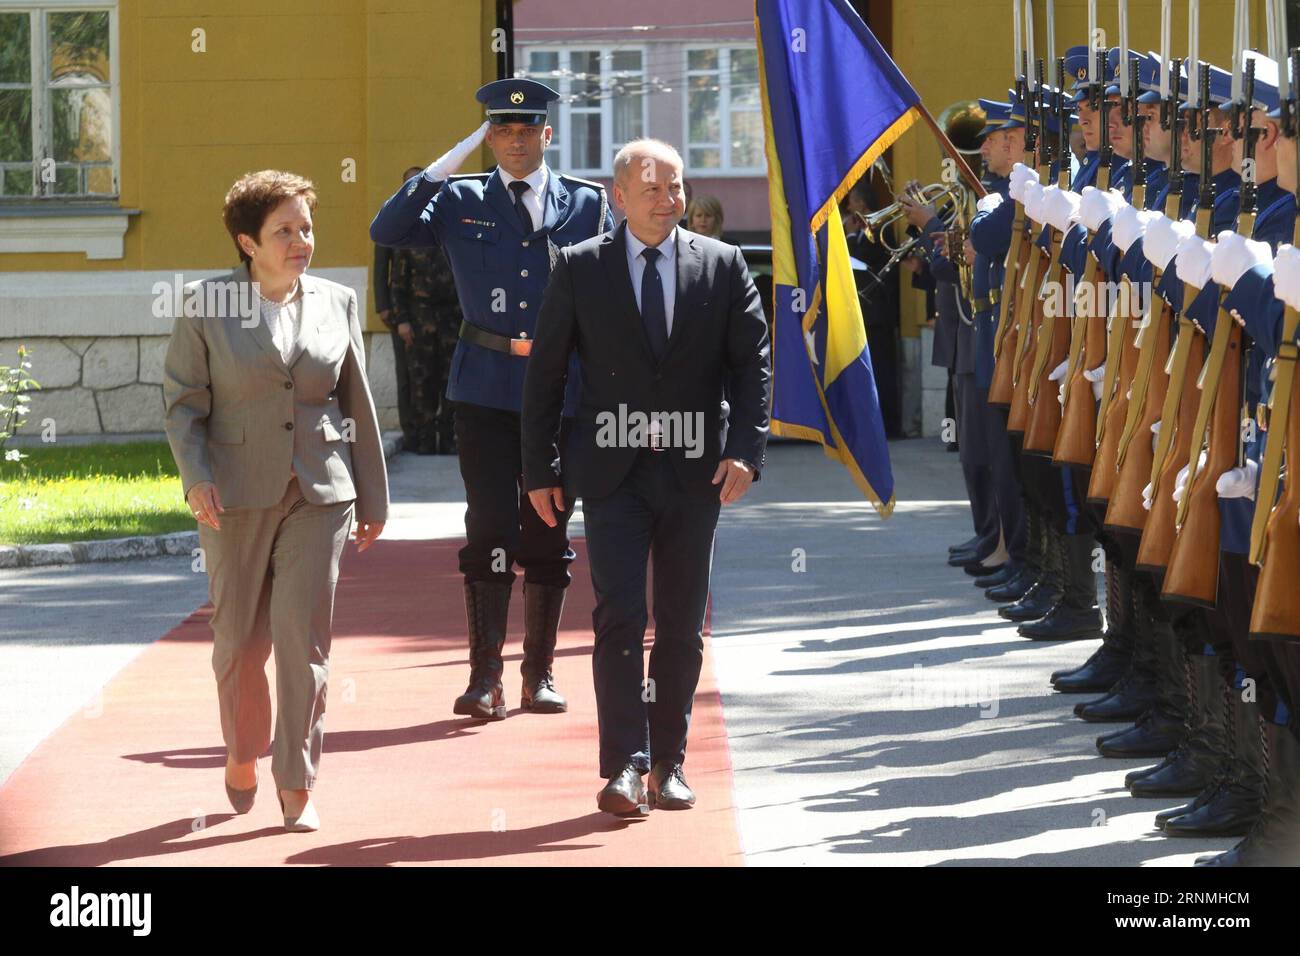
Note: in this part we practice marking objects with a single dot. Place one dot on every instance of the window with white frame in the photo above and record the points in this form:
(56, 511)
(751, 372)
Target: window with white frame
(724, 120)
(602, 103)
(58, 109)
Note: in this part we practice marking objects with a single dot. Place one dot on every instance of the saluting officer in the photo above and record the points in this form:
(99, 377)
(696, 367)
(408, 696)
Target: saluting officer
(501, 232)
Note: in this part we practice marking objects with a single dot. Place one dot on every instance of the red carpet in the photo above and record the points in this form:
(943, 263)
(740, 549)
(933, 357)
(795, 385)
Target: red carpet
(402, 780)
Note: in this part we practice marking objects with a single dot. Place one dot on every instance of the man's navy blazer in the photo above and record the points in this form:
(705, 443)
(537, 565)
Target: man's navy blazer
(716, 363)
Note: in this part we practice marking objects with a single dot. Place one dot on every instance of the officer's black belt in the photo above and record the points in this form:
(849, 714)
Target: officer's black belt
(491, 340)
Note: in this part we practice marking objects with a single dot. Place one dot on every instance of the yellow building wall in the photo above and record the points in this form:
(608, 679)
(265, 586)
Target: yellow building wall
(962, 49)
(302, 85)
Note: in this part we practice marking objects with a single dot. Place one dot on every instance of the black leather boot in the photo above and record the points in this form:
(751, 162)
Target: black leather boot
(1046, 590)
(1231, 808)
(542, 607)
(1160, 730)
(1076, 616)
(1196, 761)
(487, 609)
(1133, 693)
(1109, 662)
(1274, 840)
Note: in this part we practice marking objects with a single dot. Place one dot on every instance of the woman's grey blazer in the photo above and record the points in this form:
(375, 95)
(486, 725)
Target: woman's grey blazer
(238, 416)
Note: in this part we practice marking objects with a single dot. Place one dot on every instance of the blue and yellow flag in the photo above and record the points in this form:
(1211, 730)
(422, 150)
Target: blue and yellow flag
(833, 101)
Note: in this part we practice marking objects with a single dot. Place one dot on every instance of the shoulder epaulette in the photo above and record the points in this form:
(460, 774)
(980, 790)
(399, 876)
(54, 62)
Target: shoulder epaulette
(585, 182)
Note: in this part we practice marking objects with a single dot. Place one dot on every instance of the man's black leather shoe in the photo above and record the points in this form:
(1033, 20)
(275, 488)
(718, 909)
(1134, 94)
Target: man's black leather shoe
(1064, 623)
(1100, 673)
(625, 794)
(1001, 576)
(668, 789)
(1035, 602)
(1155, 735)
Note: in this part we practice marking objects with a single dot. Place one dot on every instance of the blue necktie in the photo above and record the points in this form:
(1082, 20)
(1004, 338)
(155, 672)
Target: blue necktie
(652, 304)
(519, 187)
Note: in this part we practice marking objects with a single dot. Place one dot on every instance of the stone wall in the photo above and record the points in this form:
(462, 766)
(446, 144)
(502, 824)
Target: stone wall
(112, 384)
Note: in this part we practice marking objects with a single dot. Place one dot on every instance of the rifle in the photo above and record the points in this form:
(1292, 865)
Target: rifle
(1076, 442)
(1151, 380)
(1193, 575)
(1054, 332)
(1178, 417)
(1029, 306)
(1000, 388)
(1275, 531)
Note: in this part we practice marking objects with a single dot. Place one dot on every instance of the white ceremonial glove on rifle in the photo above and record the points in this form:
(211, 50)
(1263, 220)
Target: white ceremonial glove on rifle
(1096, 206)
(989, 202)
(1238, 482)
(1021, 175)
(1035, 193)
(1180, 483)
(1146, 496)
(1193, 261)
(1058, 375)
(1130, 225)
(1163, 237)
(1234, 255)
(1061, 209)
(450, 161)
(1155, 433)
(1096, 376)
(1286, 275)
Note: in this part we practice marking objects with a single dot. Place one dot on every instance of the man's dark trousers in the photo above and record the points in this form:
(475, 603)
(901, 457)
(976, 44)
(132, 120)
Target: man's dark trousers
(501, 527)
(648, 518)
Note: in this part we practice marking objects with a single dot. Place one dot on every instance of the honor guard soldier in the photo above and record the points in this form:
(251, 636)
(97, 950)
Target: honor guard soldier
(501, 232)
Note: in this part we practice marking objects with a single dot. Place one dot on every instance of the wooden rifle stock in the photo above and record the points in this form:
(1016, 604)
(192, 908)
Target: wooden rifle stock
(1125, 511)
(1053, 347)
(1177, 419)
(1076, 440)
(1121, 366)
(1029, 314)
(1001, 387)
(1010, 273)
(1193, 573)
(1276, 613)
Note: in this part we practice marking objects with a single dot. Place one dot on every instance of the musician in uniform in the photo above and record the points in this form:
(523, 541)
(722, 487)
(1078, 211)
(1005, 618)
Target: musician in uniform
(501, 232)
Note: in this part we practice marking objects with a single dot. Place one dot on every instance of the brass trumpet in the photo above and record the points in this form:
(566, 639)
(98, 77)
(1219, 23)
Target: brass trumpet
(951, 202)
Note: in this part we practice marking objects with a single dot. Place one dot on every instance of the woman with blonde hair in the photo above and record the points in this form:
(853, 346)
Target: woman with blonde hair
(704, 215)
(271, 421)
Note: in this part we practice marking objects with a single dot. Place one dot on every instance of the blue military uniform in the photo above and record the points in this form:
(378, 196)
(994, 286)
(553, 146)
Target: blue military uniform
(501, 247)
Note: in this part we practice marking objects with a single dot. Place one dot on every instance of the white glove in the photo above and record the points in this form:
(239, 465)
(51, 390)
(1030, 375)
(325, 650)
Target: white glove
(1058, 375)
(989, 202)
(1097, 377)
(1146, 496)
(1193, 260)
(1061, 209)
(1035, 193)
(1096, 206)
(1162, 239)
(1234, 255)
(1180, 483)
(450, 161)
(1021, 175)
(1129, 227)
(1155, 433)
(1286, 275)
(1238, 482)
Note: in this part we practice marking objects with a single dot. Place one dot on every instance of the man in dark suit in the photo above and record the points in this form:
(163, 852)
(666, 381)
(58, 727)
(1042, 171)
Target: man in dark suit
(673, 347)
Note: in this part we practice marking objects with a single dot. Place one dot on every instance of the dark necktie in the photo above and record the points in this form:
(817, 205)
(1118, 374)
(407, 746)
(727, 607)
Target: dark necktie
(652, 304)
(519, 187)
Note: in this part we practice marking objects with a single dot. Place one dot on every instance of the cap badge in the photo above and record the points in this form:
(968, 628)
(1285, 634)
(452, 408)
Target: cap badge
(517, 97)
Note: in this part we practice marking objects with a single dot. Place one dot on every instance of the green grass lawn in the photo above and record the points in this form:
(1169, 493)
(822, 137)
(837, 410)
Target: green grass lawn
(88, 492)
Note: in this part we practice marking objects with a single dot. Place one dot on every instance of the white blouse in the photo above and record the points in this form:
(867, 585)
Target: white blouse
(284, 319)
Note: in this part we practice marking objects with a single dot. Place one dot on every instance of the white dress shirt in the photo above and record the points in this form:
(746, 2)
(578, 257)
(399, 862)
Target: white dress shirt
(666, 264)
(533, 199)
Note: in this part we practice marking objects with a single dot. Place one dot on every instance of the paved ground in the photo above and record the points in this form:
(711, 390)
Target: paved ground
(879, 712)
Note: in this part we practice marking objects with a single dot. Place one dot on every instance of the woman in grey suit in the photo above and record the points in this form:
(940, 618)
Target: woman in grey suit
(274, 432)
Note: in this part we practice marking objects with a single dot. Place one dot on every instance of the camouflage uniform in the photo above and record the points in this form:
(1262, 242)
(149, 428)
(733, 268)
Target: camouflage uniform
(424, 294)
